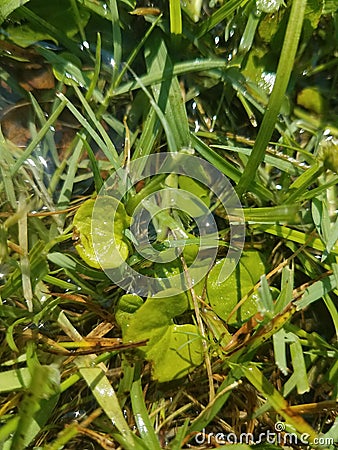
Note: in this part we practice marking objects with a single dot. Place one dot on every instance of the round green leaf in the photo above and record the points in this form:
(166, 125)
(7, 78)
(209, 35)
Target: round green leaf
(108, 242)
(224, 296)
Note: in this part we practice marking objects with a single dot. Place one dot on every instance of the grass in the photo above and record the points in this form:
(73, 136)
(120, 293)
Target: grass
(254, 93)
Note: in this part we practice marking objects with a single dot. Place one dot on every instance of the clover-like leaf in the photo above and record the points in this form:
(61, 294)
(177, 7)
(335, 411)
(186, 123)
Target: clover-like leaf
(224, 295)
(173, 350)
(110, 242)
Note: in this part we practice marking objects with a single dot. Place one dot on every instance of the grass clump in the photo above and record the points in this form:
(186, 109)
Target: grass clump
(248, 87)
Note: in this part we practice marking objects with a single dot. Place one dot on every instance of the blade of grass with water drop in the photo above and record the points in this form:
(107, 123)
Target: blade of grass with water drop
(117, 39)
(221, 14)
(143, 423)
(283, 74)
(198, 65)
(97, 68)
(49, 135)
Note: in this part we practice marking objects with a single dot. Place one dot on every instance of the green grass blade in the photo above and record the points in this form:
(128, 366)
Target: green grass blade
(221, 14)
(107, 147)
(266, 300)
(286, 291)
(49, 135)
(117, 39)
(169, 134)
(149, 136)
(168, 94)
(98, 181)
(37, 139)
(283, 74)
(175, 16)
(198, 65)
(98, 126)
(13, 380)
(279, 348)
(67, 187)
(296, 236)
(276, 400)
(317, 291)
(273, 214)
(8, 6)
(225, 167)
(299, 367)
(37, 405)
(141, 416)
(99, 384)
(6, 160)
(97, 68)
(277, 160)
(301, 184)
(332, 308)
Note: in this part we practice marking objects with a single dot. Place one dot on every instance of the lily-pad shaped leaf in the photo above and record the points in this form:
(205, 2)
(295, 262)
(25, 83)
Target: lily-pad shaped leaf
(224, 295)
(110, 243)
(173, 350)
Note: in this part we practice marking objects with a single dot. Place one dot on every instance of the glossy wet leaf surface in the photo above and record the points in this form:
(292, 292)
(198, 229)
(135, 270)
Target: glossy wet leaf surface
(88, 88)
(224, 295)
(109, 242)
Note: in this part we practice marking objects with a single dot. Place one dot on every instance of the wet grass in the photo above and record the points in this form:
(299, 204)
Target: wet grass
(87, 88)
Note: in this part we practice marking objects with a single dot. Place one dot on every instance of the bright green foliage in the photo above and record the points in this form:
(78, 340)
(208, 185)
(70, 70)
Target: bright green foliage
(64, 18)
(328, 153)
(195, 187)
(37, 405)
(110, 243)
(8, 6)
(173, 350)
(251, 87)
(224, 295)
